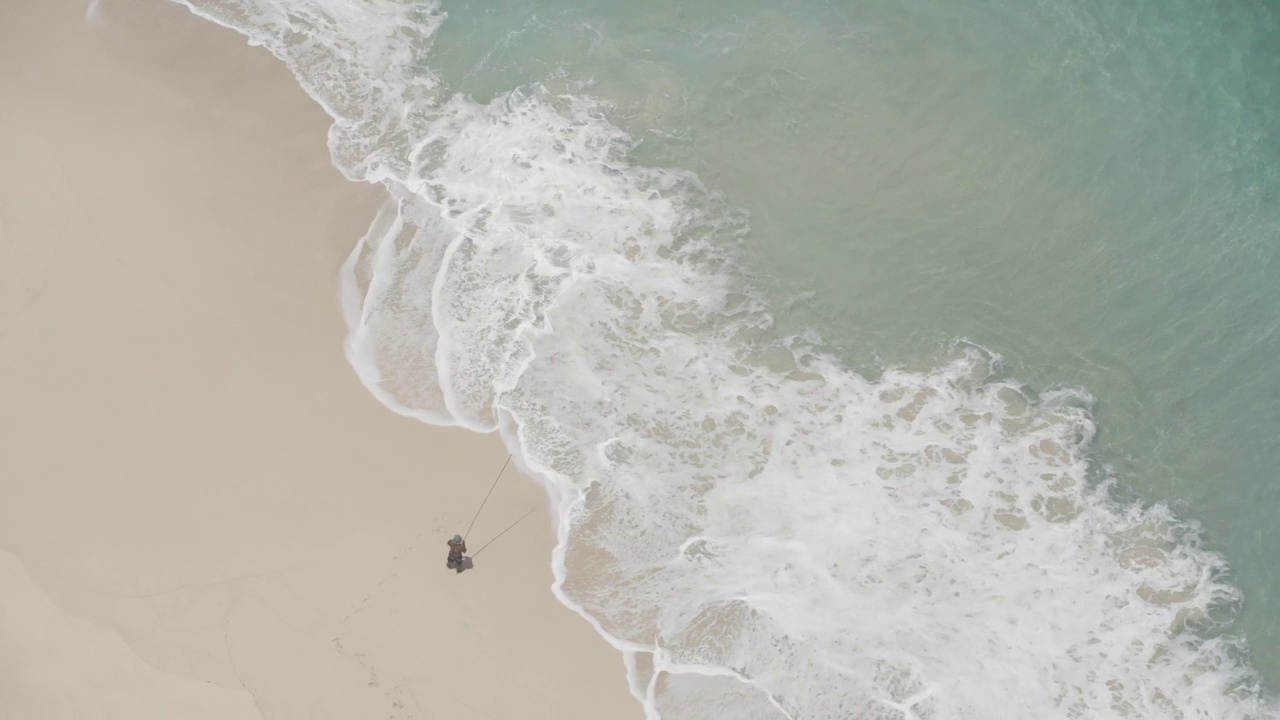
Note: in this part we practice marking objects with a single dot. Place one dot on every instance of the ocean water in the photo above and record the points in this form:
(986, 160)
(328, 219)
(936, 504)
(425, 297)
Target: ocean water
(898, 359)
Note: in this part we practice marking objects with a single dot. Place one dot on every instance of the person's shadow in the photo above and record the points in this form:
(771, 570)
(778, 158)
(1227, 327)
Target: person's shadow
(466, 564)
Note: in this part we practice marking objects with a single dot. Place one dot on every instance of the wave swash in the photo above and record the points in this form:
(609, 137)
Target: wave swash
(762, 532)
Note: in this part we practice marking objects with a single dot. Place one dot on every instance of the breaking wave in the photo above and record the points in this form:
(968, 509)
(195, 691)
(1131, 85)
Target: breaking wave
(762, 532)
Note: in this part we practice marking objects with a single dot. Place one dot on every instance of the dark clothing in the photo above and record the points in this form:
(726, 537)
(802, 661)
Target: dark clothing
(456, 550)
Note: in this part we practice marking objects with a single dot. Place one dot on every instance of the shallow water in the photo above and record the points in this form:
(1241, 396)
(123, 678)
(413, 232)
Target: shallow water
(895, 318)
(1090, 191)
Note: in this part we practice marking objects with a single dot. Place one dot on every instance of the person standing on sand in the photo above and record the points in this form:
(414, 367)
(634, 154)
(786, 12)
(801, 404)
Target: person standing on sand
(457, 546)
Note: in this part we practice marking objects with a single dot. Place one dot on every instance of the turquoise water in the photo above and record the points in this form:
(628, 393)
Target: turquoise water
(1090, 190)
(883, 360)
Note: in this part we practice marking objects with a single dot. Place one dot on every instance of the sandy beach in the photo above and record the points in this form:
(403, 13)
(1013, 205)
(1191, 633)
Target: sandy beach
(204, 514)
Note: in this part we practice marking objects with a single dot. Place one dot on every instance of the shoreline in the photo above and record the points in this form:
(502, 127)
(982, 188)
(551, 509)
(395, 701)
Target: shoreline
(208, 515)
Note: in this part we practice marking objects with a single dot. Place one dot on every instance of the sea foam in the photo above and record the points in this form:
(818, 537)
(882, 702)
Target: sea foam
(761, 531)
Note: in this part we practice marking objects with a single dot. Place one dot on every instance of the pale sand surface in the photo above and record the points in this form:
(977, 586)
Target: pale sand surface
(202, 513)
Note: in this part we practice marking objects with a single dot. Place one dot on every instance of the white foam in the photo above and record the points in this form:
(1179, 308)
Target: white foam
(775, 534)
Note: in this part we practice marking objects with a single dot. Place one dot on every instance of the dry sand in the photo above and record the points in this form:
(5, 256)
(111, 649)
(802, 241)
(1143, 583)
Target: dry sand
(202, 513)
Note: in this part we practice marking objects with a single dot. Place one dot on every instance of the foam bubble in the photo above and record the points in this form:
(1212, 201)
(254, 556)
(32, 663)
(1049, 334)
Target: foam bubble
(763, 532)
